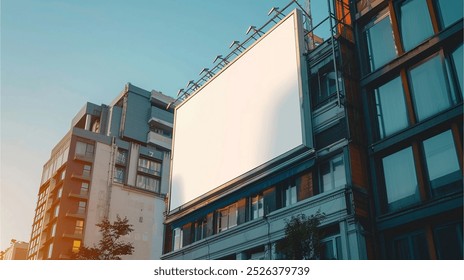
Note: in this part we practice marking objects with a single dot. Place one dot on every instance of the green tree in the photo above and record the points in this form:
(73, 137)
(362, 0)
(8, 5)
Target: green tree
(302, 237)
(109, 247)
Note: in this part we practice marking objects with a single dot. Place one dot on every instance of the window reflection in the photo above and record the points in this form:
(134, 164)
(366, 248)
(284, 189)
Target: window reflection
(380, 42)
(430, 88)
(391, 108)
(415, 23)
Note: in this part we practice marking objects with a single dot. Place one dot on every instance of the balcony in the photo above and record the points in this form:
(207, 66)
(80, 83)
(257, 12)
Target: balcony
(78, 215)
(84, 158)
(73, 235)
(159, 140)
(80, 196)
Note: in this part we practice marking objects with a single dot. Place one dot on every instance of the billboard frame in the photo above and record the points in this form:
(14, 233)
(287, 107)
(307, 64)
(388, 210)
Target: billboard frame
(294, 155)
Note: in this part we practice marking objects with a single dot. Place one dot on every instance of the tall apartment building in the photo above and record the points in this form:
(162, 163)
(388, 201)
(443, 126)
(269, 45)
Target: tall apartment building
(381, 102)
(245, 217)
(113, 161)
(411, 81)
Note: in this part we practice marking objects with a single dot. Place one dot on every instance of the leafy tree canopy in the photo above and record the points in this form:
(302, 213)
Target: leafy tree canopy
(302, 237)
(109, 247)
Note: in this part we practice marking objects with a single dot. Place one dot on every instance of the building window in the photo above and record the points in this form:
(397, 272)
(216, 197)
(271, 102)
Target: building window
(448, 242)
(257, 206)
(430, 88)
(76, 245)
(227, 217)
(59, 193)
(391, 108)
(81, 207)
(442, 163)
(177, 236)
(62, 175)
(201, 228)
(86, 171)
(458, 67)
(332, 174)
(450, 11)
(84, 149)
(53, 232)
(400, 179)
(323, 84)
(290, 195)
(149, 166)
(331, 248)
(119, 174)
(380, 41)
(121, 157)
(415, 24)
(148, 183)
(50, 251)
(79, 228)
(411, 247)
(56, 211)
(84, 188)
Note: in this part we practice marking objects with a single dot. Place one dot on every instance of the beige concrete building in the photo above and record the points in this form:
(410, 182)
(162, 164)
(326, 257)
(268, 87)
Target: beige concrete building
(113, 161)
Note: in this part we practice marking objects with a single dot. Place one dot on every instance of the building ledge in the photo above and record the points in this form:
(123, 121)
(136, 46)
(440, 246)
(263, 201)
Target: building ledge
(79, 196)
(159, 140)
(76, 215)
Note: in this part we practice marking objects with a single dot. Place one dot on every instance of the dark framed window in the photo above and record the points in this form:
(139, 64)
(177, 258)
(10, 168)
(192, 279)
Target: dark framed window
(84, 188)
(400, 179)
(323, 86)
(378, 35)
(449, 11)
(86, 171)
(84, 149)
(79, 227)
(441, 158)
(149, 166)
(431, 91)
(448, 241)
(177, 238)
(332, 174)
(256, 206)
(119, 174)
(82, 205)
(227, 217)
(411, 246)
(390, 106)
(414, 22)
(457, 62)
(121, 157)
(148, 183)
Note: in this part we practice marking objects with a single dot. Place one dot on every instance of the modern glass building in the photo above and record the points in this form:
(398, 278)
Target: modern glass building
(410, 54)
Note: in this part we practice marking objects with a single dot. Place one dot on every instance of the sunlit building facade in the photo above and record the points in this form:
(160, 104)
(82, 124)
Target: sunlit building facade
(113, 161)
(386, 95)
(246, 219)
(411, 60)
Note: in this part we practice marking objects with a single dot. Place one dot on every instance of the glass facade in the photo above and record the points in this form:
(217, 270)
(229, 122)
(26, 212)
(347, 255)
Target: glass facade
(411, 247)
(458, 61)
(442, 161)
(391, 108)
(430, 88)
(450, 11)
(400, 179)
(415, 24)
(380, 43)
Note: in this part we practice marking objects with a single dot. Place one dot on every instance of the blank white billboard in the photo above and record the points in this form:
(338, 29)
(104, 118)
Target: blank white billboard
(244, 118)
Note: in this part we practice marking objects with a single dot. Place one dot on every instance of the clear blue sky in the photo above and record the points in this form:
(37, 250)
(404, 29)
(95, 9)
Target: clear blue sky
(58, 54)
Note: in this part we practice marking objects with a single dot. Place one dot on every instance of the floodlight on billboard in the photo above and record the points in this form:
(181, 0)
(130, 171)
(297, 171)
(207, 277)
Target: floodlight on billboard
(247, 117)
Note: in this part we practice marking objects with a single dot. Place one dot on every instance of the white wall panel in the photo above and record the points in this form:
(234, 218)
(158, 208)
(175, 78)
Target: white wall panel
(244, 117)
